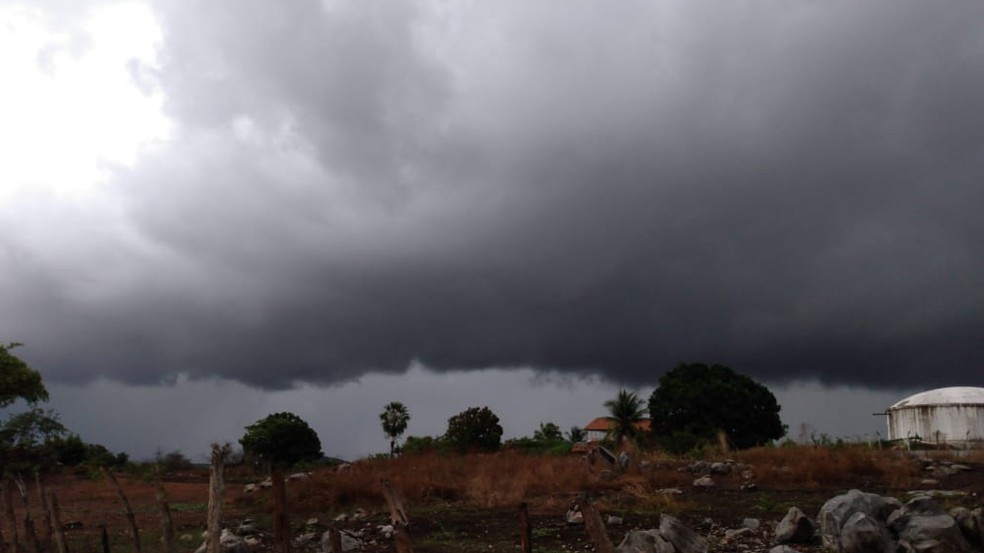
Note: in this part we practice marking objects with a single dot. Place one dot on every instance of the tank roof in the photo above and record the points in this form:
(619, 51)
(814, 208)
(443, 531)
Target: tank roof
(956, 395)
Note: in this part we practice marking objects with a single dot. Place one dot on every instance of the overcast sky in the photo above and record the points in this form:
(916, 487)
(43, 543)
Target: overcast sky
(323, 206)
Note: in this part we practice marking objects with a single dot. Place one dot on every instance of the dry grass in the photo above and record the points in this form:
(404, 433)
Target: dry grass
(504, 479)
(808, 467)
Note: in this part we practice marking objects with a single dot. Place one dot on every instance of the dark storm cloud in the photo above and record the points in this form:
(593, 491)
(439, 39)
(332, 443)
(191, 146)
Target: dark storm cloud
(790, 188)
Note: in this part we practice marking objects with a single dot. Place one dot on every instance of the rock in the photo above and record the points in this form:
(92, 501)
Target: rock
(386, 530)
(350, 542)
(795, 527)
(699, 467)
(304, 539)
(864, 534)
(684, 539)
(836, 511)
(967, 523)
(783, 549)
(704, 482)
(250, 488)
(928, 482)
(961, 468)
(228, 543)
(721, 468)
(574, 517)
(187, 537)
(311, 521)
(748, 487)
(299, 476)
(925, 526)
(751, 523)
(747, 474)
(624, 460)
(342, 517)
(613, 520)
(731, 533)
(644, 541)
(246, 527)
(669, 491)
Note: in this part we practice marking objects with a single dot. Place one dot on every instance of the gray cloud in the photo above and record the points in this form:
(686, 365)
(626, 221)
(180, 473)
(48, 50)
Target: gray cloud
(790, 189)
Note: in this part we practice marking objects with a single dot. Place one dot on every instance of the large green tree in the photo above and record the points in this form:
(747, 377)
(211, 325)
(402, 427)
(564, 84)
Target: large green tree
(695, 401)
(394, 419)
(624, 412)
(474, 429)
(281, 440)
(18, 380)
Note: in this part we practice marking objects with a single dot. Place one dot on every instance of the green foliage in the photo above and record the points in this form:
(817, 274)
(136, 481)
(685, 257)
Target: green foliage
(534, 446)
(31, 428)
(416, 445)
(281, 440)
(173, 461)
(624, 412)
(474, 429)
(694, 402)
(577, 434)
(394, 419)
(17, 380)
(69, 451)
(548, 432)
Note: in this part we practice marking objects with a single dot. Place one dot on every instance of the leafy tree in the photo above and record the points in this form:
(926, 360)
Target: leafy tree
(394, 419)
(281, 440)
(31, 428)
(18, 380)
(624, 412)
(548, 432)
(694, 402)
(577, 434)
(474, 429)
(174, 461)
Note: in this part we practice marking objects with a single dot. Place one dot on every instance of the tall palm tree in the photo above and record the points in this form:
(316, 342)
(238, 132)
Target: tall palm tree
(624, 411)
(394, 419)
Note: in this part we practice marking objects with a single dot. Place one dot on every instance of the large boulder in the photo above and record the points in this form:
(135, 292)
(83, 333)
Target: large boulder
(923, 525)
(863, 534)
(795, 527)
(838, 510)
(684, 539)
(644, 541)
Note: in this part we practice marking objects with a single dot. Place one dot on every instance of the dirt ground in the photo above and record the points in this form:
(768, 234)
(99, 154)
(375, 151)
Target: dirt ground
(86, 504)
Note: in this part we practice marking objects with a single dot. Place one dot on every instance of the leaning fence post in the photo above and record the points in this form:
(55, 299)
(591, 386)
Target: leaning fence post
(8, 514)
(594, 525)
(398, 516)
(134, 531)
(61, 544)
(524, 529)
(45, 537)
(29, 534)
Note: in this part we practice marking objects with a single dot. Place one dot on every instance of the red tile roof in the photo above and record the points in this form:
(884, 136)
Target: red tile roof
(604, 424)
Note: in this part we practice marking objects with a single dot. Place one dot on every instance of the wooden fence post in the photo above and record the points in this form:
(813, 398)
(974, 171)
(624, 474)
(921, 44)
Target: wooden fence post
(216, 491)
(46, 535)
(399, 518)
(167, 526)
(593, 524)
(525, 545)
(61, 544)
(104, 538)
(134, 531)
(29, 534)
(8, 514)
(281, 516)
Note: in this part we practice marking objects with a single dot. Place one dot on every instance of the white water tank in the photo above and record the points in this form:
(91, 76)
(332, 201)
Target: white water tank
(952, 416)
